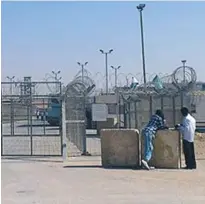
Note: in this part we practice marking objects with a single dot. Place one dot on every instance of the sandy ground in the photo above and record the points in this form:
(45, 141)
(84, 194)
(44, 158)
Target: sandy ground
(200, 145)
(81, 180)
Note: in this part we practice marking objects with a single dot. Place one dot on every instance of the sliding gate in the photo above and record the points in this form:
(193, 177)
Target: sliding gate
(22, 132)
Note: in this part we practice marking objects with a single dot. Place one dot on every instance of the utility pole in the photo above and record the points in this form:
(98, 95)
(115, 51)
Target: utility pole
(11, 79)
(116, 69)
(106, 66)
(184, 70)
(82, 69)
(140, 7)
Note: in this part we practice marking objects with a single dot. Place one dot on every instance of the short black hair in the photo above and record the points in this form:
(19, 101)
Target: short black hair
(184, 111)
(159, 113)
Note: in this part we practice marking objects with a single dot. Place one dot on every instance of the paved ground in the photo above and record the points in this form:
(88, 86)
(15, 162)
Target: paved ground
(20, 143)
(46, 140)
(23, 128)
(30, 181)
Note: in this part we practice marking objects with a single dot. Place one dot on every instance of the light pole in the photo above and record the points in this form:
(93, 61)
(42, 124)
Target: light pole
(184, 70)
(127, 81)
(140, 7)
(106, 66)
(57, 79)
(116, 69)
(10, 80)
(82, 69)
(56, 75)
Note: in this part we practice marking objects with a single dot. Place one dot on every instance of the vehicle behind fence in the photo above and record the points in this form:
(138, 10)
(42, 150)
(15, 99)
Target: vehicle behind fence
(23, 133)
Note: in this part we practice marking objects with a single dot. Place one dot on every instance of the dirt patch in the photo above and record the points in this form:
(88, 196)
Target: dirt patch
(200, 145)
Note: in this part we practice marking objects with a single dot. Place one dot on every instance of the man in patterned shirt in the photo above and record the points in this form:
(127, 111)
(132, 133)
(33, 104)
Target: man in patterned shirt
(156, 123)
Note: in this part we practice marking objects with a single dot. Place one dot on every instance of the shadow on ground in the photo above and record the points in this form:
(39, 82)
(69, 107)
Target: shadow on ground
(6, 159)
(100, 166)
(37, 125)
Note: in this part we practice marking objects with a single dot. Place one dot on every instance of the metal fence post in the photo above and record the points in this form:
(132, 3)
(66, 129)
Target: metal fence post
(118, 109)
(174, 110)
(135, 110)
(129, 115)
(125, 114)
(64, 145)
(12, 117)
(84, 153)
(2, 118)
(31, 116)
(182, 98)
(150, 105)
(162, 103)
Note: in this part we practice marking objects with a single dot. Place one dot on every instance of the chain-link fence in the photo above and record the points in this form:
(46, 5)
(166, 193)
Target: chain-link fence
(75, 104)
(128, 107)
(139, 109)
(22, 132)
(75, 124)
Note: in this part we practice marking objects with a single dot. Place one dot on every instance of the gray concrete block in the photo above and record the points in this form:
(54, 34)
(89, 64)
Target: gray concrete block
(120, 147)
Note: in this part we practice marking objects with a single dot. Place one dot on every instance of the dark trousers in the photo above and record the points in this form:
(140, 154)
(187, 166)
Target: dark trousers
(188, 148)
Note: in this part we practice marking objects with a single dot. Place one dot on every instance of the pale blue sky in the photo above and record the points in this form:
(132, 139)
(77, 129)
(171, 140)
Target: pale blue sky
(38, 37)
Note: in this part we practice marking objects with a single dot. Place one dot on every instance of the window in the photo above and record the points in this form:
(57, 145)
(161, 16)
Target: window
(193, 108)
(54, 100)
(112, 109)
(203, 87)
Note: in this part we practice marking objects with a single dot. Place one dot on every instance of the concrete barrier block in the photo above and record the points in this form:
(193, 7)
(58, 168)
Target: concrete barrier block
(120, 147)
(166, 149)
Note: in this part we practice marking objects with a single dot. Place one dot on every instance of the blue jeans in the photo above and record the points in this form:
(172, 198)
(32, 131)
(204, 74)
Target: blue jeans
(148, 145)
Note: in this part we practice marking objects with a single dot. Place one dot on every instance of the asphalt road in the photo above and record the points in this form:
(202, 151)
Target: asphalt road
(38, 127)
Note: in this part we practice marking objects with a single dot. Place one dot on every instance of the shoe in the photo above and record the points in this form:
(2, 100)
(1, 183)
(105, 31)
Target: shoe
(189, 168)
(192, 168)
(152, 168)
(145, 164)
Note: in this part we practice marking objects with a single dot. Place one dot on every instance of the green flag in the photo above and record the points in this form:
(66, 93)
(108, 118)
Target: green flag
(157, 82)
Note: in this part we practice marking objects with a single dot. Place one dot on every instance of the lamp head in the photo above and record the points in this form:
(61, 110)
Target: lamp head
(140, 7)
(86, 63)
(111, 50)
(102, 51)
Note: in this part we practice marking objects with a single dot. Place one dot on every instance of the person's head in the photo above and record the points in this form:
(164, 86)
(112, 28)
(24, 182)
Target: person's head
(160, 113)
(184, 111)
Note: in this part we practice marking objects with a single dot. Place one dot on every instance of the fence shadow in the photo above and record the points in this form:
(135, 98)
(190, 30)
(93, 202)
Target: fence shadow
(38, 125)
(5, 159)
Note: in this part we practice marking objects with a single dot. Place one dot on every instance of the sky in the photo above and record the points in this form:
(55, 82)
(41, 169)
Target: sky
(38, 37)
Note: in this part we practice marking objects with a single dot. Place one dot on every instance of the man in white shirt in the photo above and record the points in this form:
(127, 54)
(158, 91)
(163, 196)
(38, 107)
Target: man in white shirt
(187, 129)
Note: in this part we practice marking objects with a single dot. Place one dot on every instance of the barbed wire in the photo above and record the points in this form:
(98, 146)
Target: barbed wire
(80, 86)
(172, 83)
